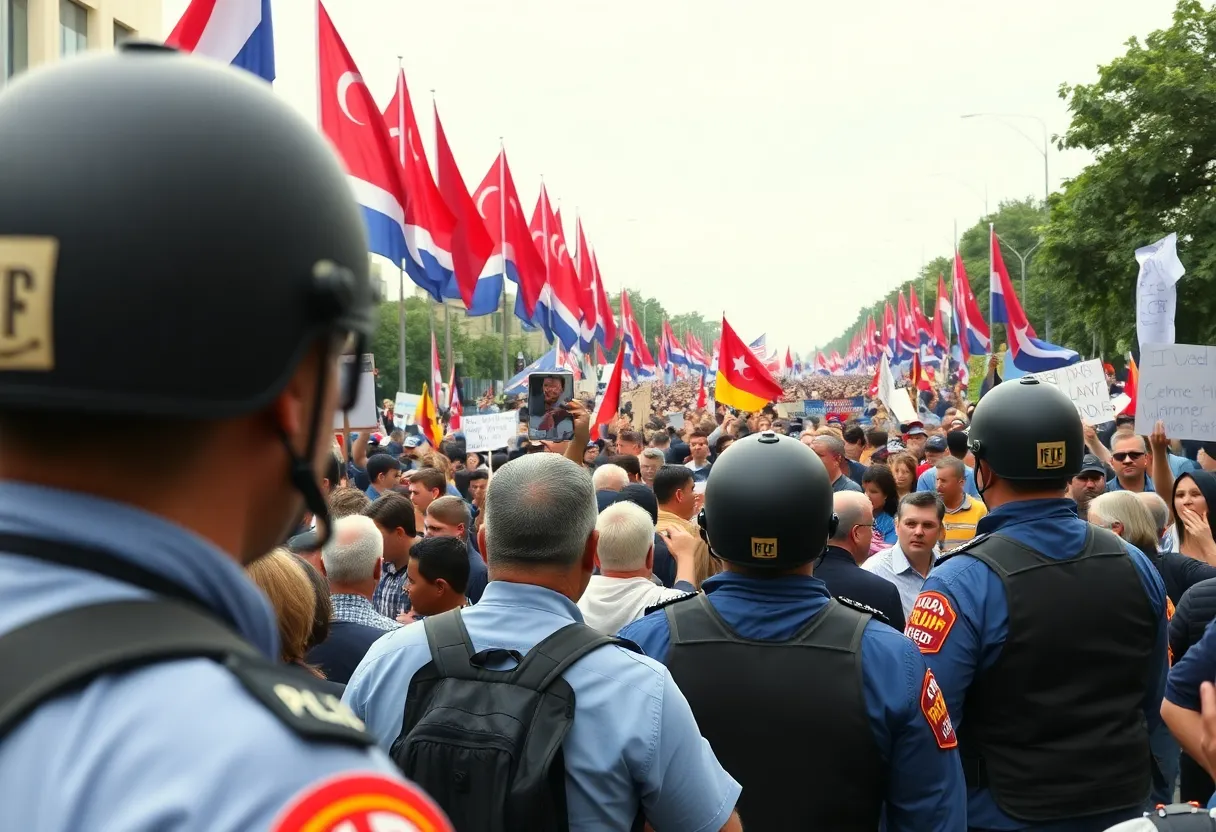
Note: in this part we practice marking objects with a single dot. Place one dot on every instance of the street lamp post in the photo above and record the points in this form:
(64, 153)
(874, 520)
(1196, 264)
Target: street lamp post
(1022, 258)
(1043, 151)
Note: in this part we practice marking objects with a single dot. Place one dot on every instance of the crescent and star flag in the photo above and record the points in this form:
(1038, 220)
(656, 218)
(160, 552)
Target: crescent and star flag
(610, 402)
(476, 280)
(743, 382)
(890, 338)
(426, 417)
(905, 344)
(702, 396)
(632, 342)
(498, 203)
(589, 315)
(436, 373)
(237, 32)
(1029, 353)
(428, 222)
(353, 124)
(455, 408)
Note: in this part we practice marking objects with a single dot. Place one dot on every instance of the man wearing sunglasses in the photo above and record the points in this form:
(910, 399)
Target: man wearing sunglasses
(1131, 459)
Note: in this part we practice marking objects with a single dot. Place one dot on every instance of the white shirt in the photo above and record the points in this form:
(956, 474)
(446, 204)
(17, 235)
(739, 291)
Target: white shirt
(611, 603)
(893, 565)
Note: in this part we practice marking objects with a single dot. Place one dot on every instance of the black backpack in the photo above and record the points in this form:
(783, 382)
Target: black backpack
(486, 745)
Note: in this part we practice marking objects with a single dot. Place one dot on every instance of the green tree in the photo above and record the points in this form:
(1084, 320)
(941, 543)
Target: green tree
(1150, 121)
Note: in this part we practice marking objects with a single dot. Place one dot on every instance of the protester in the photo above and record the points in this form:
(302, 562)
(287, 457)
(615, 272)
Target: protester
(439, 571)
(918, 527)
(450, 517)
(673, 489)
(879, 486)
(847, 549)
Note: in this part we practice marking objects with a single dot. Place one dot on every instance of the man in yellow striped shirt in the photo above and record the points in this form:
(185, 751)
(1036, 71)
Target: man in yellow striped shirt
(963, 512)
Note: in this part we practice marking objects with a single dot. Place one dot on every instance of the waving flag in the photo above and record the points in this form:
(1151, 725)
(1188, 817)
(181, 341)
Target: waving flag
(605, 327)
(559, 305)
(941, 318)
(906, 343)
(455, 409)
(498, 203)
(476, 279)
(1029, 353)
(743, 382)
(610, 402)
(633, 344)
(352, 123)
(919, 322)
(426, 417)
(589, 319)
(675, 350)
(702, 396)
(973, 336)
(436, 373)
(428, 221)
(237, 32)
(890, 337)
(788, 365)
(759, 347)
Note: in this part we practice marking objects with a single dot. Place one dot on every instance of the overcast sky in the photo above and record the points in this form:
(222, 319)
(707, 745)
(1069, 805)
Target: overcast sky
(784, 161)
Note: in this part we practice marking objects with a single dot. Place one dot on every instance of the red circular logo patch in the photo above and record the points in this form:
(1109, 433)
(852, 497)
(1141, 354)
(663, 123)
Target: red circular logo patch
(364, 802)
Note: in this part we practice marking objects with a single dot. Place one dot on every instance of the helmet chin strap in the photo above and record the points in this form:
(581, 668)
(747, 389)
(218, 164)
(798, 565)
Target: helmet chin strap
(980, 488)
(300, 466)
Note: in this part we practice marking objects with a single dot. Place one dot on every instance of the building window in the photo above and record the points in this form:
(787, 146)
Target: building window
(73, 28)
(18, 39)
(122, 33)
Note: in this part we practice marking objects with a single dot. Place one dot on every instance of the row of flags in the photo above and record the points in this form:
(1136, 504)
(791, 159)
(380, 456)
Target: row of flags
(957, 330)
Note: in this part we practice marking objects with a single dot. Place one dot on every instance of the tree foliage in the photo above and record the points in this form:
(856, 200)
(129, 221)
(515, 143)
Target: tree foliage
(1150, 122)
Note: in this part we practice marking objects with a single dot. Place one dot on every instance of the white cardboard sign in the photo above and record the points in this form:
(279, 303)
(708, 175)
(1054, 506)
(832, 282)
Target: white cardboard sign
(490, 431)
(1085, 384)
(1177, 386)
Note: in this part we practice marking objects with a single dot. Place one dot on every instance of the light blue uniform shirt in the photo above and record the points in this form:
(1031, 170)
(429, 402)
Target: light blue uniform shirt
(174, 745)
(633, 741)
(928, 481)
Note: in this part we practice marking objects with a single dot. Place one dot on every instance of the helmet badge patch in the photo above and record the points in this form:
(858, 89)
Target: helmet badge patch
(1051, 456)
(764, 548)
(27, 293)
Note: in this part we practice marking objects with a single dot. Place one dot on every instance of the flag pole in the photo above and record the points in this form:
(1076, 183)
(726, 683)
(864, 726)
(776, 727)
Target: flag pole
(401, 275)
(991, 326)
(447, 309)
(544, 224)
(502, 237)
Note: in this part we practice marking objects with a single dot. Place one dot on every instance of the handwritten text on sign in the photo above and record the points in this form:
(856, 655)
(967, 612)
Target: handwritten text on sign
(1177, 386)
(1085, 384)
(491, 431)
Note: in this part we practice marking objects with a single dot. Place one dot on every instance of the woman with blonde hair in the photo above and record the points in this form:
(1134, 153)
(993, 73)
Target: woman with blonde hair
(291, 595)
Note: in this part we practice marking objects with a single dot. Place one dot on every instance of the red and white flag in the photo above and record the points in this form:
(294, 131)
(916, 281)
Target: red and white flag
(436, 373)
(610, 403)
(702, 396)
(455, 408)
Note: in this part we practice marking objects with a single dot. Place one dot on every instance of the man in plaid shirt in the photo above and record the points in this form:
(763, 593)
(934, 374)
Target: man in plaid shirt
(394, 516)
(351, 562)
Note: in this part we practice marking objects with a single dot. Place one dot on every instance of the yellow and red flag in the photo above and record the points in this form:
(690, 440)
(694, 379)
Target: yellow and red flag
(426, 417)
(743, 381)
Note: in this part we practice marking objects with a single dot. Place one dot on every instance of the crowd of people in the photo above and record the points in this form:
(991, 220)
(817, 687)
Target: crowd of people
(993, 619)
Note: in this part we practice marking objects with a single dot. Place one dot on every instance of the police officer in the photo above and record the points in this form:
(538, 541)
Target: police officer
(181, 268)
(1047, 638)
(823, 714)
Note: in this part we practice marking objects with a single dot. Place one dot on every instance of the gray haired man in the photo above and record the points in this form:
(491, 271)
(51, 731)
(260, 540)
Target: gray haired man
(634, 745)
(351, 562)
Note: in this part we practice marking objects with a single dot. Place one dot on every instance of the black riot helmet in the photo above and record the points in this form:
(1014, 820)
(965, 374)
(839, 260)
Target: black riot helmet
(768, 503)
(173, 240)
(1027, 431)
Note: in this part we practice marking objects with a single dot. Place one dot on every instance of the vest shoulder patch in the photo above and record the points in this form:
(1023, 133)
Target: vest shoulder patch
(963, 547)
(305, 706)
(860, 607)
(932, 618)
(677, 599)
(933, 706)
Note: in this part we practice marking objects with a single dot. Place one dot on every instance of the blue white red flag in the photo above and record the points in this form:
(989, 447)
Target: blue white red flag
(1029, 353)
(476, 280)
(498, 203)
(237, 32)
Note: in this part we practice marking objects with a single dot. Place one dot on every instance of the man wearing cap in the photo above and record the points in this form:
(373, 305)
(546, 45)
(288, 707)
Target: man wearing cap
(1089, 482)
(956, 446)
(915, 438)
(935, 449)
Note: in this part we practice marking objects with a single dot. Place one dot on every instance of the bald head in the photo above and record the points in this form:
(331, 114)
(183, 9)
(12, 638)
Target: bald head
(856, 524)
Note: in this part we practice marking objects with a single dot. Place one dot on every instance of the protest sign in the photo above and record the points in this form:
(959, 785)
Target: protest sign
(675, 420)
(895, 400)
(850, 408)
(639, 397)
(363, 415)
(491, 431)
(1178, 386)
(1085, 385)
(1157, 290)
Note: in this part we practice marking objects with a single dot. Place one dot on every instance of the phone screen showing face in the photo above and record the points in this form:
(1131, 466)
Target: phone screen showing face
(548, 395)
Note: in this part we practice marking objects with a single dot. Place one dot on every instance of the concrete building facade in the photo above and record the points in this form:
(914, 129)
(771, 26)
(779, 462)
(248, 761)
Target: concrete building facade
(37, 32)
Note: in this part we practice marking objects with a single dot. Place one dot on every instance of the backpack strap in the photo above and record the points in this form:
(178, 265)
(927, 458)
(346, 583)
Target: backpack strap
(65, 651)
(52, 655)
(451, 648)
(548, 660)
